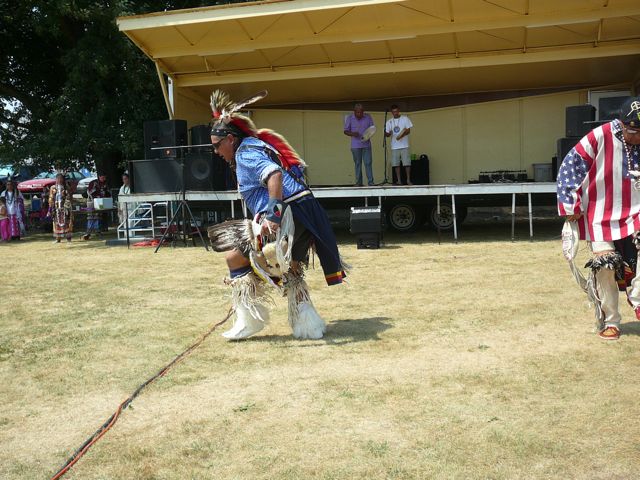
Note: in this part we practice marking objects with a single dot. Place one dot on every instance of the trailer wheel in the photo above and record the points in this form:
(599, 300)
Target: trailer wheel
(403, 217)
(445, 219)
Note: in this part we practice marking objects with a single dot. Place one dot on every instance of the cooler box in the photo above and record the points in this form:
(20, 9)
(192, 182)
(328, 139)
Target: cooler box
(543, 172)
(36, 204)
(102, 203)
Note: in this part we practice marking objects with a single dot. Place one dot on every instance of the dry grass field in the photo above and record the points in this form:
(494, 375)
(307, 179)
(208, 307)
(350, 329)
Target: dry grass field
(474, 360)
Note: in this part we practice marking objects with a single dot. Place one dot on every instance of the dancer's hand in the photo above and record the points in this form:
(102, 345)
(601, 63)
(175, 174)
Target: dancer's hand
(269, 227)
(575, 217)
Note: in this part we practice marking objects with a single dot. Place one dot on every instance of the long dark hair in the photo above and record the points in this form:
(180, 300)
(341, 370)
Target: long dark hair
(64, 181)
(15, 193)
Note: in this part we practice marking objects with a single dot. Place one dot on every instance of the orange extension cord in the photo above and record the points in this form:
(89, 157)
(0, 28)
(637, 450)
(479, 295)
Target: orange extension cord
(113, 418)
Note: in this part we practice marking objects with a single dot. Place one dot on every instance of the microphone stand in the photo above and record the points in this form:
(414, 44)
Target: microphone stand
(384, 147)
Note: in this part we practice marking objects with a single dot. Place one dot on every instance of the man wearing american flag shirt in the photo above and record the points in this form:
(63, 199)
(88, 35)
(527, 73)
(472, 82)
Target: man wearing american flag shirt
(599, 187)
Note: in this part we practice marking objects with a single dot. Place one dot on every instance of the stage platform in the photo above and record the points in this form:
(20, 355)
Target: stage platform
(363, 192)
(415, 194)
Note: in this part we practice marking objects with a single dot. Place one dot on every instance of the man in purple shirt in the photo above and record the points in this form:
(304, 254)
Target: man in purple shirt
(354, 127)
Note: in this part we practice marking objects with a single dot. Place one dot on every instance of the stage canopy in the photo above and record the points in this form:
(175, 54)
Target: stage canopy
(321, 51)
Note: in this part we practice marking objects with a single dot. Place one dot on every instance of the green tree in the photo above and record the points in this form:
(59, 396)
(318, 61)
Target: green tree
(73, 89)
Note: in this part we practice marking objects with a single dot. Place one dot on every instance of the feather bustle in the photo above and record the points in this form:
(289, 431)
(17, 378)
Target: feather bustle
(230, 235)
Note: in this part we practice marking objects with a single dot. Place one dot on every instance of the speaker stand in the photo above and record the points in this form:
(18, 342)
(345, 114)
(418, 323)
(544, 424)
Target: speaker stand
(183, 208)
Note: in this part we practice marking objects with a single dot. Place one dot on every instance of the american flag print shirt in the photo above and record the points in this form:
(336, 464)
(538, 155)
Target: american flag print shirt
(594, 180)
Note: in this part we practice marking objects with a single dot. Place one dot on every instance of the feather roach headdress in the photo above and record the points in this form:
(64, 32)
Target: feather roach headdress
(227, 119)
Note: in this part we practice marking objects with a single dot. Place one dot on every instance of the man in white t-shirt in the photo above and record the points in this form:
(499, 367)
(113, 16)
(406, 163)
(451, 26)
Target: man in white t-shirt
(398, 128)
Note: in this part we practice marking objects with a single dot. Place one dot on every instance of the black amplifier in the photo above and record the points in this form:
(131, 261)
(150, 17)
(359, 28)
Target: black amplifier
(366, 224)
(366, 220)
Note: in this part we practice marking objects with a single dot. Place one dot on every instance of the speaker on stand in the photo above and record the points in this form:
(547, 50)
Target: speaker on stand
(160, 171)
(156, 175)
(201, 135)
(164, 133)
(198, 172)
(579, 120)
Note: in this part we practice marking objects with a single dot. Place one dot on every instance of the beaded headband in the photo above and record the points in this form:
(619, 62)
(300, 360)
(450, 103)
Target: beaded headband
(221, 129)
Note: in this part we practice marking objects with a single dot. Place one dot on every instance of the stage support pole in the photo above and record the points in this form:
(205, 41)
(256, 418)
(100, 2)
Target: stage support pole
(455, 223)
(513, 217)
(438, 222)
(530, 219)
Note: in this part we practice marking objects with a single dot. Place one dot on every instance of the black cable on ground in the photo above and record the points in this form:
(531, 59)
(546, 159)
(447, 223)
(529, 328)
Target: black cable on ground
(113, 418)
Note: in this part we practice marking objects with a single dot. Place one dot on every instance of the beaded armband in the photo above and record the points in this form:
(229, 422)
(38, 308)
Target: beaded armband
(275, 209)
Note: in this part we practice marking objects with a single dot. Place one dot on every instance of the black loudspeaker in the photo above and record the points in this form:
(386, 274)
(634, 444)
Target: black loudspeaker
(205, 162)
(222, 174)
(164, 133)
(419, 171)
(199, 172)
(156, 175)
(205, 171)
(368, 240)
(366, 223)
(230, 180)
(579, 120)
(564, 146)
(195, 171)
(201, 135)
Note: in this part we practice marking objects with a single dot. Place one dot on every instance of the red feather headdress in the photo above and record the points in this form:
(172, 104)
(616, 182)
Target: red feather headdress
(225, 111)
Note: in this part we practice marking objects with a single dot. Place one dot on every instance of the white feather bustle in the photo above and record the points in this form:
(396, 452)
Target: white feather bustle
(304, 320)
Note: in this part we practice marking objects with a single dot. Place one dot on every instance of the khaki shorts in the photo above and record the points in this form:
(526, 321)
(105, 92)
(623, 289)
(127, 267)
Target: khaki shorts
(597, 247)
(400, 156)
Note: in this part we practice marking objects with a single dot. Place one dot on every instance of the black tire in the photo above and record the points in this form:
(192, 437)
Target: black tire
(445, 219)
(403, 217)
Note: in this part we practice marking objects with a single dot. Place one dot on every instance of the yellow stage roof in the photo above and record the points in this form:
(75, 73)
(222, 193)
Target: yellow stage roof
(317, 51)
